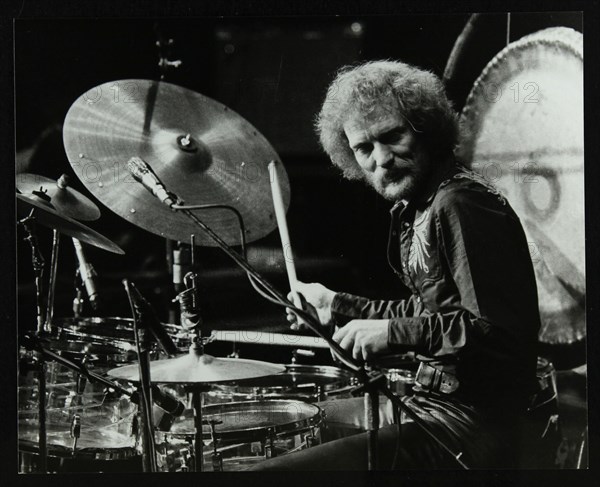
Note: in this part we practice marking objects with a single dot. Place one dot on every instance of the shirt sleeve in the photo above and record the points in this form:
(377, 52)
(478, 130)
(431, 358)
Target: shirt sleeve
(346, 307)
(486, 253)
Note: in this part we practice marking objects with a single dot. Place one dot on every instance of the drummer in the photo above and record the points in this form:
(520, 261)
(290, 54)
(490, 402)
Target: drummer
(459, 248)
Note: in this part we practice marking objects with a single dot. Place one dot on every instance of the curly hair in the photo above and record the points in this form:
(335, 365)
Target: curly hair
(415, 94)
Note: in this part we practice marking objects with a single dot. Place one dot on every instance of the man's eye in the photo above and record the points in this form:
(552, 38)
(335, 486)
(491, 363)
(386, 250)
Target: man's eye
(391, 137)
(362, 149)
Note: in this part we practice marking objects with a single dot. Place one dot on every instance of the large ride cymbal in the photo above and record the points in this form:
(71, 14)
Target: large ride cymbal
(200, 149)
(64, 199)
(193, 368)
(49, 217)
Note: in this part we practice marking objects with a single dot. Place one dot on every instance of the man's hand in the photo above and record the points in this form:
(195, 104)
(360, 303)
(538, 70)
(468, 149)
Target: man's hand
(364, 338)
(316, 300)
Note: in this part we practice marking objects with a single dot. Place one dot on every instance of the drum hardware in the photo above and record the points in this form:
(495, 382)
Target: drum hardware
(37, 262)
(302, 353)
(75, 430)
(78, 300)
(217, 457)
(139, 310)
(52, 279)
(269, 444)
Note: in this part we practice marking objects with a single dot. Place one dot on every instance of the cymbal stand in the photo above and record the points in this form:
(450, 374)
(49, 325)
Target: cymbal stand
(38, 264)
(143, 345)
(52, 282)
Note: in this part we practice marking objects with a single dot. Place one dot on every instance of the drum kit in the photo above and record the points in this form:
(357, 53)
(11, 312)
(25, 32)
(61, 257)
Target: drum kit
(97, 393)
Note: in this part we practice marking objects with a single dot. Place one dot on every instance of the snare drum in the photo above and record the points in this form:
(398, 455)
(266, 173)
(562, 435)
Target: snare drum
(305, 382)
(247, 433)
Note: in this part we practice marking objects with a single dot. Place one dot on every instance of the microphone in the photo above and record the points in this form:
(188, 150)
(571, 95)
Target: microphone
(188, 303)
(143, 173)
(167, 402)
(149, 319)
(88, 275)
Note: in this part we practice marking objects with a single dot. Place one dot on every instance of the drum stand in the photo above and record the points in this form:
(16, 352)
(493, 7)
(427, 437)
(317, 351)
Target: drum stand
(371, 385)
(38, 263)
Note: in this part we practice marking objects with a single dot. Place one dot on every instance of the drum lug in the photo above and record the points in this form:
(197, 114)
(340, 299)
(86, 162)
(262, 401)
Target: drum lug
(311, 438)
(217, 462)
(270, 444)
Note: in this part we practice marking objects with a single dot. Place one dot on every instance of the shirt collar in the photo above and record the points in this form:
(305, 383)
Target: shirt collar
(427, 198)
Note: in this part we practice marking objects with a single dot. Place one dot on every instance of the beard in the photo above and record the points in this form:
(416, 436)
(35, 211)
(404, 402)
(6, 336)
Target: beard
(397, 185)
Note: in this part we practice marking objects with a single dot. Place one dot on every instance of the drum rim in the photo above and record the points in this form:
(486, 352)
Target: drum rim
(345, 379)
(88, 453)
(257, 432)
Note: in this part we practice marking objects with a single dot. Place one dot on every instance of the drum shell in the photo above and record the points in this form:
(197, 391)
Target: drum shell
(107, 341)
(106, 432)
(308, 383)
(251, 432)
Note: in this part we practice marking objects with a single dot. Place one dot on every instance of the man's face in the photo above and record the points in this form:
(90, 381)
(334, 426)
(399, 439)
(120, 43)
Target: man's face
(389, 153)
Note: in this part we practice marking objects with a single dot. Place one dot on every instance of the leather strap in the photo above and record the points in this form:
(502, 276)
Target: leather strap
(432, 379)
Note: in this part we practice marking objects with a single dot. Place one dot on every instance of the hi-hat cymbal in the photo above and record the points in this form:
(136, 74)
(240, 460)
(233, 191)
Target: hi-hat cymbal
(192, 368)
(64, 199)
(200, 149)
(49, 217)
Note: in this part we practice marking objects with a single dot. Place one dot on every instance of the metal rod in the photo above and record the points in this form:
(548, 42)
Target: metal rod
(198, 443)
(42, 440)
(193, 251)
(52, 281)
(372, 422)
(38, 263)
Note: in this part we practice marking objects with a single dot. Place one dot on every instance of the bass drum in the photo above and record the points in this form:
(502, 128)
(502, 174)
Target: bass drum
(108, 439)
(245, 433)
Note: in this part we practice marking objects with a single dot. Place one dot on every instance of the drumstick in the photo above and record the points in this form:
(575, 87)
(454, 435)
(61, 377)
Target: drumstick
(269, 338)
(288, 256)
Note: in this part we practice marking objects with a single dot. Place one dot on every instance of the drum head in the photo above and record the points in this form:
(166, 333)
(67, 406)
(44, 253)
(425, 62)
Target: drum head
(252, 420)
(108, 339)
(523, 131)
(298, 377)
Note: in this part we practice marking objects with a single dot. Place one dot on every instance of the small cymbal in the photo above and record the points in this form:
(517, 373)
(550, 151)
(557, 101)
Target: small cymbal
(67, 201)
(200, 149)
(192, 368)
(46, 215)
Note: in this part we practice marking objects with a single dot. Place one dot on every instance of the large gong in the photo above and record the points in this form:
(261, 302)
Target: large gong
(523, 124)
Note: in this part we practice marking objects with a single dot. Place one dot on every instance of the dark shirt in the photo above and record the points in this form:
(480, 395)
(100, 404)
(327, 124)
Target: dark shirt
(473, 311)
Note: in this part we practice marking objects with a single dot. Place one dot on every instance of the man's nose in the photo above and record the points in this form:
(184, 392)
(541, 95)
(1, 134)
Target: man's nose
(383, 155)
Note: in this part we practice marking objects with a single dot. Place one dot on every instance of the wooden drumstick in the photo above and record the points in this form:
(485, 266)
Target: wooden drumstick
(288, 255)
